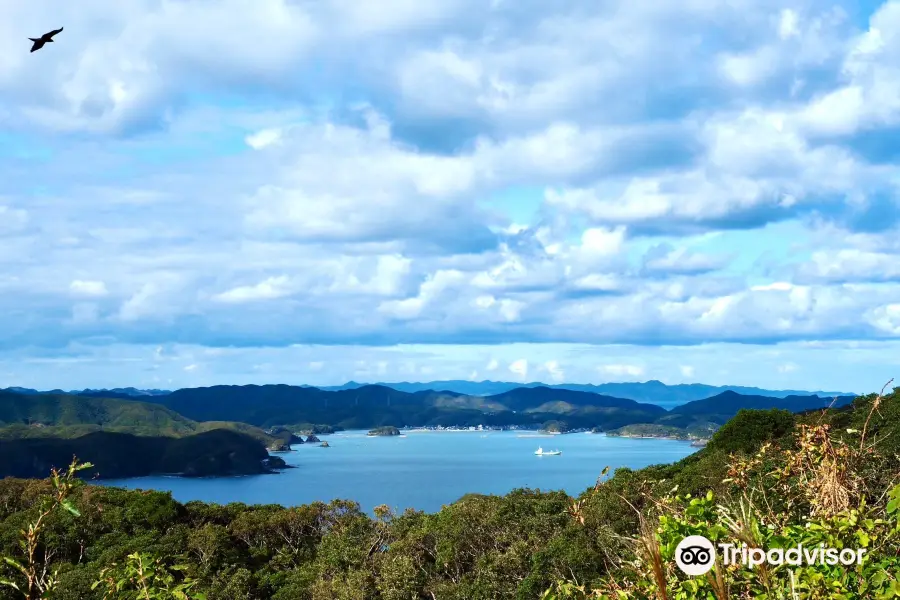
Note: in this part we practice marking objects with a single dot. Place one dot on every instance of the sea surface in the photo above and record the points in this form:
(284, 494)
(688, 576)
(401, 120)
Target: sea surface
(425, 469)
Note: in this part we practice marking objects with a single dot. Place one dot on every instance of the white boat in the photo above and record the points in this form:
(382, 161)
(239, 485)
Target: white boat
(542, 452)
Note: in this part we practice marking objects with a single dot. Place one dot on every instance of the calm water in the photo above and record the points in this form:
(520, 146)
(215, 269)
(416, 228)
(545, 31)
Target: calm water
(424, 470)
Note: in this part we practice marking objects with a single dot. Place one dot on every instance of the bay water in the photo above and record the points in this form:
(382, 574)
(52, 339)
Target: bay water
(423, 469)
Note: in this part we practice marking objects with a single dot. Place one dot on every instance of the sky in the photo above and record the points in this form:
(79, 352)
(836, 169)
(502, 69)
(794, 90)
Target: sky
(195, 192)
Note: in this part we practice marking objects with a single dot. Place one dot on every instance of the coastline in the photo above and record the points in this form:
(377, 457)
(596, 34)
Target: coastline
(426, 430)
(658, 437)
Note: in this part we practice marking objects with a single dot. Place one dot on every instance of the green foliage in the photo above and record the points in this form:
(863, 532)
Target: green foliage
(749, 429)
(142, 577)
(787, 486)
(32, 576)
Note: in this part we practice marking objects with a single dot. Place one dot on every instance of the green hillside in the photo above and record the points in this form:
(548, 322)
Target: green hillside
(67, 410)
(66, 416)
(654, 430)
(115, 455)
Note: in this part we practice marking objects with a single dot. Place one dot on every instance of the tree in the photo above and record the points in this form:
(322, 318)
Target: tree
(33, 576)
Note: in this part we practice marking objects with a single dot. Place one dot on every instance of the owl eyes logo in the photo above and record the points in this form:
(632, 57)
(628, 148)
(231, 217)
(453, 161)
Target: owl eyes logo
(695, 555)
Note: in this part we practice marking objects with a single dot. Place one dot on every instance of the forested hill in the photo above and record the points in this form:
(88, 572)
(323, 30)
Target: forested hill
(68, 410)
(66, 416)
(722, 407)
(653, 391)
(183, 411)
(123, 438)
(374, 406)
(116, 455)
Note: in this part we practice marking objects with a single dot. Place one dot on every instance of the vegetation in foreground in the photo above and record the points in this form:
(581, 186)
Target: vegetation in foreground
(768, 478)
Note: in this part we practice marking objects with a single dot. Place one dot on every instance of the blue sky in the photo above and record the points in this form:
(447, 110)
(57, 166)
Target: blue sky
(310, 192)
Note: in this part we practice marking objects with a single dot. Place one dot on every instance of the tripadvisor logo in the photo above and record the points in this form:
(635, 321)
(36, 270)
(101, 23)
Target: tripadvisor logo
(695, 555)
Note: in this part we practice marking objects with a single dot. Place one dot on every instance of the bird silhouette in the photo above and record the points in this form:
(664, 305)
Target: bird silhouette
(47, 37)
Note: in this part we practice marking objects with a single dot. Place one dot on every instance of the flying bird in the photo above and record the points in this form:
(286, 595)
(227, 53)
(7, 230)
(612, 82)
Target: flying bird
(47, 37)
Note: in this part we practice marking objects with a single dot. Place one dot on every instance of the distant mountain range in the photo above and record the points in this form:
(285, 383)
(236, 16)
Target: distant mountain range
(46, 426)
(371, 406)
(651, 392)
(128, 392)
(374, 406)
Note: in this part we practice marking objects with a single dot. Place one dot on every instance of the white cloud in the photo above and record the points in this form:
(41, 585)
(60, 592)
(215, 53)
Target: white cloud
(664, 259)
(553, 371)
(850, 264)
(88, 288)
(787, 24)
(885, 318)
(519, 368)
(777, 286)
(141, 304)
(261, 139)
(623, 370)
(433, 287)
(270, 289)
(686, 370)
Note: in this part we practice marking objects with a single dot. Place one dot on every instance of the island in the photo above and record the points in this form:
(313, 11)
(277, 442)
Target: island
(324, 445)
(312, 439)
(554, 427)
(384, 431)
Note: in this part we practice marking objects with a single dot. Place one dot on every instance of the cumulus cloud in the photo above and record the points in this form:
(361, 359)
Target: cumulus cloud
(270, 289)
(623, 370)
(519, 368)
(88, 288)
(665, 258)
(553, 371)
(484, 173)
